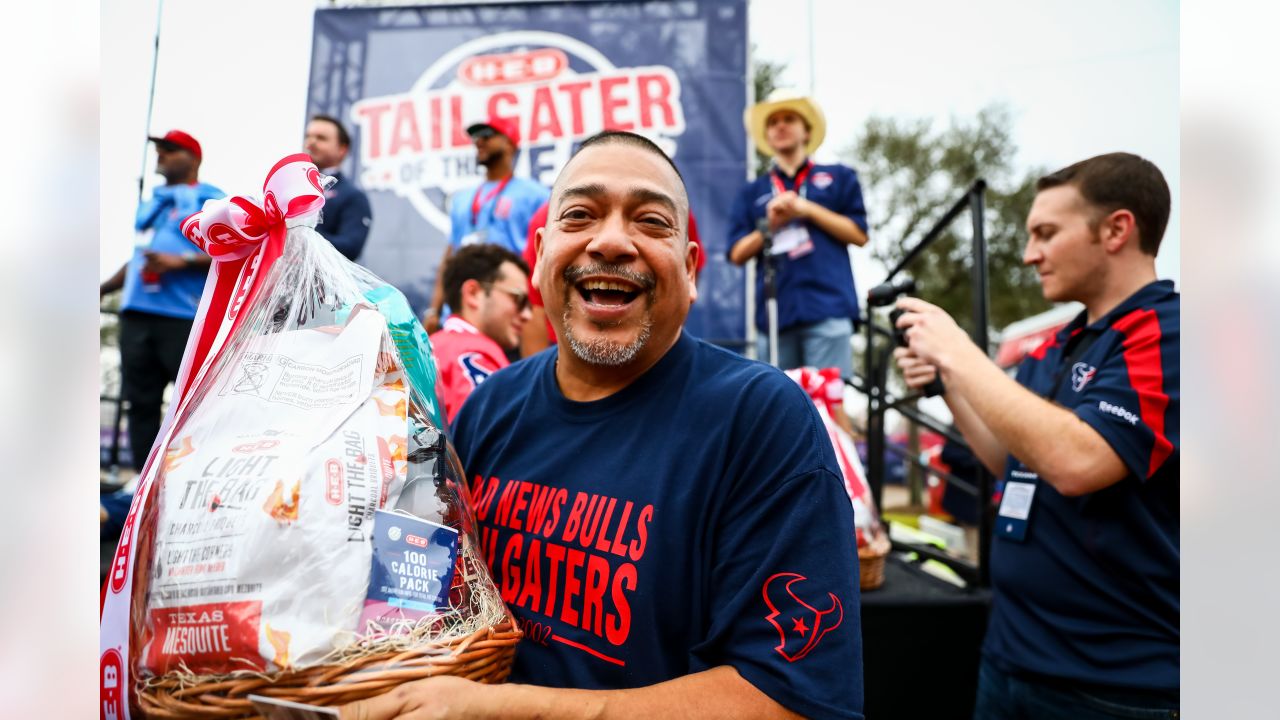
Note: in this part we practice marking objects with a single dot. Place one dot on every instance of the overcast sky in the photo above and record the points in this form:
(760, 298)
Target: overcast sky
(1082, 78)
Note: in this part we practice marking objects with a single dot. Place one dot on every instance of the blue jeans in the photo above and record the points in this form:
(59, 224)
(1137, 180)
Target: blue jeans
(821, 345)
(1002, 696)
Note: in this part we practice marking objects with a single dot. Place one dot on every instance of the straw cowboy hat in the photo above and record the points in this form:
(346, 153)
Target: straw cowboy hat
(785, 99)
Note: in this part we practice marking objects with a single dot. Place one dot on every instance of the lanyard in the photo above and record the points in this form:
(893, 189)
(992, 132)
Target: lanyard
(477, 202)
(776, 178)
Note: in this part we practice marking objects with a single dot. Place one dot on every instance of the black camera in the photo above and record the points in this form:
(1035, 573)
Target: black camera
(887, 294)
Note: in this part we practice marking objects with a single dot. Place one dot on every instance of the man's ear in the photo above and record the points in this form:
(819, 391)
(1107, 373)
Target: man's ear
(1117, 230)
(692, 251)
(536, 279)
(471, 291)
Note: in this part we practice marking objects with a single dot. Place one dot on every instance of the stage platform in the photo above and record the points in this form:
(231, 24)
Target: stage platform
(921, 639)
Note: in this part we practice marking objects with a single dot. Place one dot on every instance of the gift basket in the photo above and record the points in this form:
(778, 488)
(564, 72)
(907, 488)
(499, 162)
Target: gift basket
(302, 529)
(826, 388)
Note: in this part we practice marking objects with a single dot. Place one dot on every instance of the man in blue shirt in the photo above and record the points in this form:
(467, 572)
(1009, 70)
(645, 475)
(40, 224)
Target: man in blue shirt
(496, 211)
(1085, 558)
(346, 217)
(162, 285)
(815, 212)
(665, 519)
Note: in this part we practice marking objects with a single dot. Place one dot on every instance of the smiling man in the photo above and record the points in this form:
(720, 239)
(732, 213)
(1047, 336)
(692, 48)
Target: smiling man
(666, 519)
(1084, 562)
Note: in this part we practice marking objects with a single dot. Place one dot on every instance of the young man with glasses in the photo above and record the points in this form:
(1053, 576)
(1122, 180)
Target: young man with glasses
(487, 287)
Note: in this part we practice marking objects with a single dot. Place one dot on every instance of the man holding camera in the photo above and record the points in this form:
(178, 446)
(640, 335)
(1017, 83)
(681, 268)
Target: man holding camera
(813, 213)
(1085, 557)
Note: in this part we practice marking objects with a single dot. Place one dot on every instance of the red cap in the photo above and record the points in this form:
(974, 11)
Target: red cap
(500, 125)
(180, 139)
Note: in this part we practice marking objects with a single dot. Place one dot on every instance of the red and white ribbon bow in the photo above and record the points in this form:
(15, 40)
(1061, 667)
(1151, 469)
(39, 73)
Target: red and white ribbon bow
(231, 229)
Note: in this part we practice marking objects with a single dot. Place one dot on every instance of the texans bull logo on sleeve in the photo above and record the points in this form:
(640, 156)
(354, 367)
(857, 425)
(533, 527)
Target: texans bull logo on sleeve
(800, 625)
(1081, 374)
(476, 372)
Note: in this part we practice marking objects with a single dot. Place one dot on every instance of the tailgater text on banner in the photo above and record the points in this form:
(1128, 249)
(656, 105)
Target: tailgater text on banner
(408, 81)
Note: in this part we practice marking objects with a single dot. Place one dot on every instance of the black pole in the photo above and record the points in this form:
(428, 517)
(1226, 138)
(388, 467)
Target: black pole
(920, 418)
(770, 270)
(981, 302)
(113, 461)
(151, 99)
(934, 233)
(875, 418)
(981, 319)
(876, 366)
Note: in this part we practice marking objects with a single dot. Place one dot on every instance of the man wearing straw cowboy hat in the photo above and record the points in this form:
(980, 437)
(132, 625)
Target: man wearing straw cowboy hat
(813, 212)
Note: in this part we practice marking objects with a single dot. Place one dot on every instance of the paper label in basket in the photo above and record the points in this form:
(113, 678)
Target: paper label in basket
(204, 635)
(412, 569)
(277, 709)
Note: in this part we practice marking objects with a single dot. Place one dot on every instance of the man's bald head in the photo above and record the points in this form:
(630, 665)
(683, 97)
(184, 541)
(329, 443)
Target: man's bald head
(621, 137)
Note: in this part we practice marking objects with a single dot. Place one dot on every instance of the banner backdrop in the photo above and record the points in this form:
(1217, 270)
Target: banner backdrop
(408, 81)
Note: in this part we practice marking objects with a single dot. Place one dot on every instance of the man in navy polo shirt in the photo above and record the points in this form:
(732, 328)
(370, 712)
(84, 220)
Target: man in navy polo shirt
(346, 217)
(1085, 558)
(815, 212)
(665, 519)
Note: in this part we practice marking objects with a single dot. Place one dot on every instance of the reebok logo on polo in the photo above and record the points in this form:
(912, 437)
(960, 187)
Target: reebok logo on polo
(1118, 411)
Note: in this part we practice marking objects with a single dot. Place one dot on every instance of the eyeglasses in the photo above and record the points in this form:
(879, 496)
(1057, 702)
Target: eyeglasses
(483, 133)
(520, 297)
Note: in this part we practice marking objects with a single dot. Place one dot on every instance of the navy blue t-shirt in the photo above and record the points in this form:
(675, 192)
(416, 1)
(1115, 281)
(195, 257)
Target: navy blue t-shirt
(694, 519)
(818, 285)
(1091, 593)
(346, 217)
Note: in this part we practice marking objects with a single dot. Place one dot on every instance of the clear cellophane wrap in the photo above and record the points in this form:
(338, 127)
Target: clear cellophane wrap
(307, 511)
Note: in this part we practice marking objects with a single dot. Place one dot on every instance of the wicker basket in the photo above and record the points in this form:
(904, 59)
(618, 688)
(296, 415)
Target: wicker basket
(871, 561)
(484, 656)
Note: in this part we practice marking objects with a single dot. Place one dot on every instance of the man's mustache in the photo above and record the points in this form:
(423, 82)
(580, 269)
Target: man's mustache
(645, 281)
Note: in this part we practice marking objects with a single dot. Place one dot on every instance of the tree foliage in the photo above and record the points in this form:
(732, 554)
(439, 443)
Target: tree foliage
(912, 174)
(766, 77)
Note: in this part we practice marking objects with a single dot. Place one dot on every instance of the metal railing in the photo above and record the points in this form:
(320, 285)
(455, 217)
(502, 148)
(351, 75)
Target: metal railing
(873, 382)
(111, 459)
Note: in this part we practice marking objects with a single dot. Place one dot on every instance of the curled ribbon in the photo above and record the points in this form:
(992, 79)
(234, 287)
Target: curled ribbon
(233, 228)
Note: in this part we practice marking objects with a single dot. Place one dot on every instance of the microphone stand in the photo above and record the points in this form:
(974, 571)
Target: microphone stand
(770, 288)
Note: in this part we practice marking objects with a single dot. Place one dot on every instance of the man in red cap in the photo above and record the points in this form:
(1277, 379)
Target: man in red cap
(497, 210)
(162, 285)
